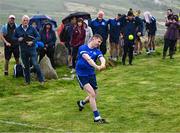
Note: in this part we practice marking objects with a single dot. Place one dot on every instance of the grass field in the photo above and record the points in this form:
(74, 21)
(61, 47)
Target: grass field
(144, 97)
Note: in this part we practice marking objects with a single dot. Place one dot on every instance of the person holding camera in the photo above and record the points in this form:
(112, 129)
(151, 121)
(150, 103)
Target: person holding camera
(171, 35)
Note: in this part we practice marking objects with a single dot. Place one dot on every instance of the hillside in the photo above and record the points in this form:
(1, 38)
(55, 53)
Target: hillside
(60, 8)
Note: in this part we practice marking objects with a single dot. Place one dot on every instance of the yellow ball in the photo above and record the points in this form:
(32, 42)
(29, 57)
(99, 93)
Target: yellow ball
(131, 37)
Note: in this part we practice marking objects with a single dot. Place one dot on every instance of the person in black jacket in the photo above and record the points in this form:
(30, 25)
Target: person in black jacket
(48, 37)
(131, 28)
(66, 36)
(10, 46)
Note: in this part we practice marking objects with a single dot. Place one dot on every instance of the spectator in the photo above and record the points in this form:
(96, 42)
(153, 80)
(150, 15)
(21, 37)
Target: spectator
(171, 35)
(66, 36)
(48, 37)
(10, 46)
(27, 36)
(151, 28)
(138, 42)
(100, 26)
(78, 38)
(89, 32)
(114, 32)
(59, 30)
(129, 30)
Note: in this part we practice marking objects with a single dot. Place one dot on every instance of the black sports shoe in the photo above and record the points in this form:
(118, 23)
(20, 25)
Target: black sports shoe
(6, 74)
(100, 121)
(80, 107)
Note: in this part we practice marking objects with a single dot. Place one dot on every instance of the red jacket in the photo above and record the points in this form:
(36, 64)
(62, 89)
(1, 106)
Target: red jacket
(78, 36)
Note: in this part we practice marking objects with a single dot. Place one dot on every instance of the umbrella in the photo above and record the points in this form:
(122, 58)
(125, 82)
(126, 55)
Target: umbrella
(40, 20)
(83, 15)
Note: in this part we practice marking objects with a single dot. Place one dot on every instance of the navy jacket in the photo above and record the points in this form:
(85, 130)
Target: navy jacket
(51, 40)
(30, 33)
(140, 24)
(100, 27)
(151, 27)
(69, 30)
(130, 27)
(114, 29)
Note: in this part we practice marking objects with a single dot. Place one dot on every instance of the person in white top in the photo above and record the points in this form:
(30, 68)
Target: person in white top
(88, 30)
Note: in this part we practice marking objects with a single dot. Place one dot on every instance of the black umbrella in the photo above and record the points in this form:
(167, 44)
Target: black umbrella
(83, 15)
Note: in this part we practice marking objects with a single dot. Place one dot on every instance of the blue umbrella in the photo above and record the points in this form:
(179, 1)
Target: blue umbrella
(40, 20)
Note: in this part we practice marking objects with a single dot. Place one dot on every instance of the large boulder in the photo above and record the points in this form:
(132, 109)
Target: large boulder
(60, 55)
(47, 69)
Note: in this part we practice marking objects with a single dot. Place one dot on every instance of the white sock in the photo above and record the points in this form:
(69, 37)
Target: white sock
(97, 118)
(81, 104)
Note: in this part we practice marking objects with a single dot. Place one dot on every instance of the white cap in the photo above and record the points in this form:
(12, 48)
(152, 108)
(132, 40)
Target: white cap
(11, 16)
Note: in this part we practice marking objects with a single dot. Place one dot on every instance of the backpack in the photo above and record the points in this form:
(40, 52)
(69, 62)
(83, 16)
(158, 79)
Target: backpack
(64, 34)
(18, 70)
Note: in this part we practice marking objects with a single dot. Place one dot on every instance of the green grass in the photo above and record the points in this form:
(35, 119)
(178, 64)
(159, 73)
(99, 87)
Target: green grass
(144, 97)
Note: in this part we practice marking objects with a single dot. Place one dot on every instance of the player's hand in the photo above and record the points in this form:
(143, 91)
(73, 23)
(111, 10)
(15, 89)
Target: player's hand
(29, 43)
(8, 44)
(102, 66)
(98, 68)
(20, 39)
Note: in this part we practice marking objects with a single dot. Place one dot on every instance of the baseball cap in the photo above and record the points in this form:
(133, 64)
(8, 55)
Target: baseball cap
(11, 16)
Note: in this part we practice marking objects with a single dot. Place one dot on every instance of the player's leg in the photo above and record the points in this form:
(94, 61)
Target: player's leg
(92, 100)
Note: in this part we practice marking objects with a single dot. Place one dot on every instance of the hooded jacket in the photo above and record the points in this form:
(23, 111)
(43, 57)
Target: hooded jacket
(89, 32)
(49, 39)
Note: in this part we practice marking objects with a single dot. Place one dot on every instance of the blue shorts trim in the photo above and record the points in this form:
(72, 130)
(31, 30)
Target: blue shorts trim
(83, 80)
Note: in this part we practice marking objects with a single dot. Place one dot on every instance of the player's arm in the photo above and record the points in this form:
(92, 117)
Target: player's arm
(90, 61)
(103, 62)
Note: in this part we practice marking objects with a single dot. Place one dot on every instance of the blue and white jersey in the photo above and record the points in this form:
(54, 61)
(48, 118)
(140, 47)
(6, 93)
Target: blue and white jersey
(100, 27)
(83, 68)
(115, 27)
